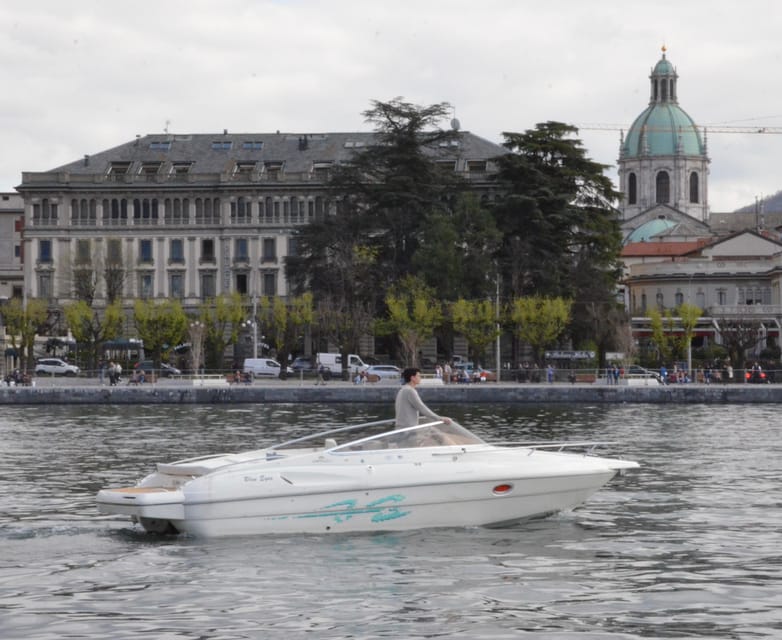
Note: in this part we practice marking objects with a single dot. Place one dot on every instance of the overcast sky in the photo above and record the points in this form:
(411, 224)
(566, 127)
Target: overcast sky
(80, 77)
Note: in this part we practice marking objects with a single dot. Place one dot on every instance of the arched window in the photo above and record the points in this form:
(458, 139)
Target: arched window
(632, 189)
(694, 190)
(663, 188)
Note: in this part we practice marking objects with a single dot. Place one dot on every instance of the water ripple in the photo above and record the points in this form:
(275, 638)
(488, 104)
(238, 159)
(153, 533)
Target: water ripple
(687, 547)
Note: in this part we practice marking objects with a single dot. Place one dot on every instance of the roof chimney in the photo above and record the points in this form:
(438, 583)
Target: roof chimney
(86, 160)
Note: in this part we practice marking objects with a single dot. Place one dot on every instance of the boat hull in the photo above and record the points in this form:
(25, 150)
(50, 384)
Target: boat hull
(367, 484)
(462, 505)
(489, 503)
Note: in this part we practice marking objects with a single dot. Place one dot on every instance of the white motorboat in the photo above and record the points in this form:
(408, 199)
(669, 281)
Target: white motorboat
(382, 478)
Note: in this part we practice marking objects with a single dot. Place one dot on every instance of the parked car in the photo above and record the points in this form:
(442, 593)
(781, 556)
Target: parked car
(55, 366)
(468, 372)
(756, 376)
(165, 370)
(384, 372)
(636, 371)
(484, 374)
(303, 364)
(264, 367)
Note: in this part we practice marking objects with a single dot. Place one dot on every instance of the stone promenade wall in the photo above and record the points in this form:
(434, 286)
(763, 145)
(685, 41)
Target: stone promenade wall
(72, 392)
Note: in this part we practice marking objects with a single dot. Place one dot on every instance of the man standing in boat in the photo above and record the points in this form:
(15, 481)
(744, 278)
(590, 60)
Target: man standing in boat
(409, 405)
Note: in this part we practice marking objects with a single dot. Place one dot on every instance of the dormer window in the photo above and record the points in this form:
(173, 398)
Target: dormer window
(273, 169)
(118, 169)
(244, 169)
(321, 170)
(150, 169)
(222, 145)
(160, 145)
(180, 169)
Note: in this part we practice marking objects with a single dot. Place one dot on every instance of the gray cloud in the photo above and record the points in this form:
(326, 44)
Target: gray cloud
(85, 76)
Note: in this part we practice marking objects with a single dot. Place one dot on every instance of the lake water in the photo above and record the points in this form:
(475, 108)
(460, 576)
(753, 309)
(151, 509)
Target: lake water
(690, 546)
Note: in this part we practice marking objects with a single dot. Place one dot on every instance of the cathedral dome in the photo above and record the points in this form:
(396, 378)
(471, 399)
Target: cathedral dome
(664, 66)
(664, 128)
(650, 229)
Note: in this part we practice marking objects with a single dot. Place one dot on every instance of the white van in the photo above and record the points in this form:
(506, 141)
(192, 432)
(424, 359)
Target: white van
(333, 362)
(263, 367)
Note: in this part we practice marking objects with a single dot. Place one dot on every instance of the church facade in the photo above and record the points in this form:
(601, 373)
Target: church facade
(672, 255)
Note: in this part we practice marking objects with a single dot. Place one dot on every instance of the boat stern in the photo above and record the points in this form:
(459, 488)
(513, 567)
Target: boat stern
(142, 502)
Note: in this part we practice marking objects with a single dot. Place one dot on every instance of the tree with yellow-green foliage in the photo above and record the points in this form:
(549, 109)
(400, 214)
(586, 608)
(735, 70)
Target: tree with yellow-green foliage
(91, 328)
(477, 321)
(662, 334)
(413, 315)
(222, 317)
(284, 322)
(21, 324)
(160, 325)
(540, 321)
(672, 332)
(688, 318)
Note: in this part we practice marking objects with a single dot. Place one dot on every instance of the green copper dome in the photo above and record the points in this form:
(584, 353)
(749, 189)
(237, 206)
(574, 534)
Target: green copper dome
(650, 229)
(664, 67)
(664, 128)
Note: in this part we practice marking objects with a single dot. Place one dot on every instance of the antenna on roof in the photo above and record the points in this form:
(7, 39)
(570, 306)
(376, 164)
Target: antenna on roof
(165, 129)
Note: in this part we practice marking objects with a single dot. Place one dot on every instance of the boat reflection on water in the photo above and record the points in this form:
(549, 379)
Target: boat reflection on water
(378, 479)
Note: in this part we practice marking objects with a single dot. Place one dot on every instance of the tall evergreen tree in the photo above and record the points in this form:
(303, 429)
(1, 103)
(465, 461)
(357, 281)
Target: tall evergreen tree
(557, 217)
(383, 201)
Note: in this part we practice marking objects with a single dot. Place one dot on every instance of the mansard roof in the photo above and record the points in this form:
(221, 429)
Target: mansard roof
(209, 153)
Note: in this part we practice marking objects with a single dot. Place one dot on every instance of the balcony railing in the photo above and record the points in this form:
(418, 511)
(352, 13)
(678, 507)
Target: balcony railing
(755, 310)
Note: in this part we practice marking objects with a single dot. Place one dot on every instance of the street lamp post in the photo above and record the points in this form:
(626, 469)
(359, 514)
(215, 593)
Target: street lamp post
(251, 325)
(197, 330)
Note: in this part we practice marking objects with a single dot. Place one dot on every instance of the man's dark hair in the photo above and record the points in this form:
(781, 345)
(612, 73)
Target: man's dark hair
(409, 373)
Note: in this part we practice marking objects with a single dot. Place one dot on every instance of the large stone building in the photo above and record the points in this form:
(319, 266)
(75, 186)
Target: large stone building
(11, 250)
(193, 216)
(663, 162)
(676, 251)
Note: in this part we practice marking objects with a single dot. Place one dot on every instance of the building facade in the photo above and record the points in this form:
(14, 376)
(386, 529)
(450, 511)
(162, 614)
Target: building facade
(11, 247)
(663, 158)
(190, 217)
(737, 279)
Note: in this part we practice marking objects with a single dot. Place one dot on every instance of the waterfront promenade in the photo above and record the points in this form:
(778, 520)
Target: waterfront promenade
(215, 391)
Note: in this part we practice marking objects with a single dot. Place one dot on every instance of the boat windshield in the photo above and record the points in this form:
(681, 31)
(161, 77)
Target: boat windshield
(382, 434)
(429, 434)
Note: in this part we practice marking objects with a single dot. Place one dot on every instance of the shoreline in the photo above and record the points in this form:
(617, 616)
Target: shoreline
(64, 391)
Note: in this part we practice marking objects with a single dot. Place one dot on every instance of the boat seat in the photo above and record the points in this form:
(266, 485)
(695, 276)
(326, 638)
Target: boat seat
(329, 443)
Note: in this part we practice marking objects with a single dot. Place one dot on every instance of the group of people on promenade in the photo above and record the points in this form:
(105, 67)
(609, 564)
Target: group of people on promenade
(112, 369)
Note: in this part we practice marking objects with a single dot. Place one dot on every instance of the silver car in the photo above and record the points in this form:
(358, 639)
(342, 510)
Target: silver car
(55, 366)
(384, 372)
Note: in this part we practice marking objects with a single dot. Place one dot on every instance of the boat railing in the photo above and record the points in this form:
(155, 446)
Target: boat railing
(328, 433)
(589, 445)
(376, 436)
(432, 434)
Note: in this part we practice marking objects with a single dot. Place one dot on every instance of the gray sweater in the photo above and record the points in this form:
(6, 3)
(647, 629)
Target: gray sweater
(409, 406)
